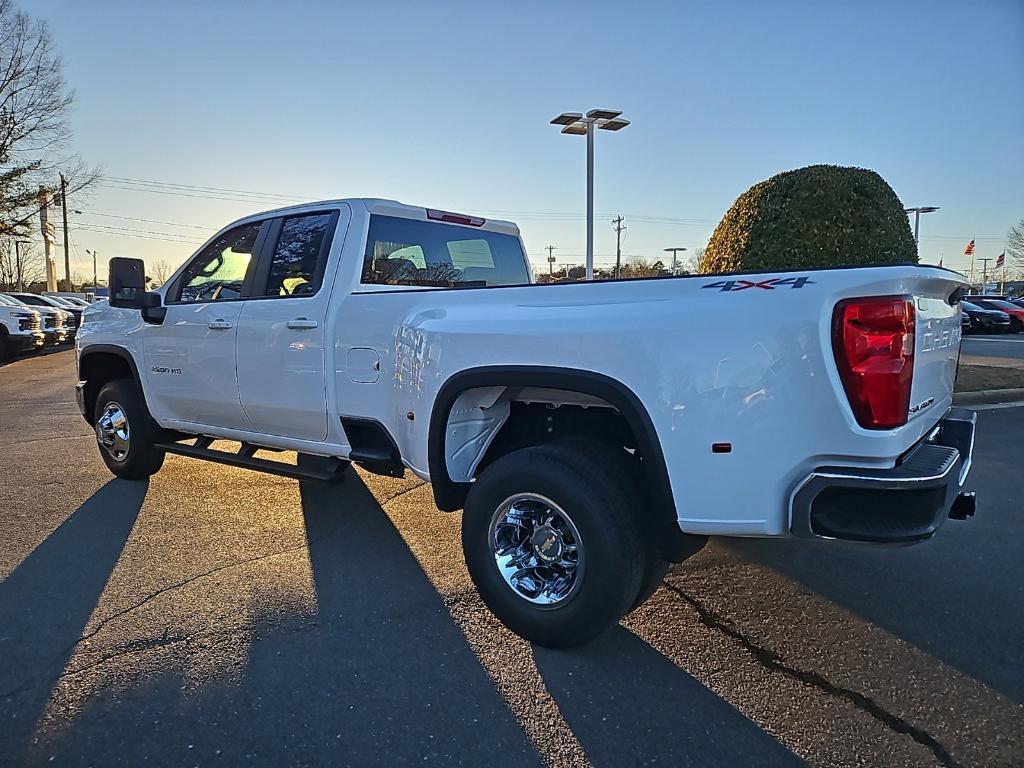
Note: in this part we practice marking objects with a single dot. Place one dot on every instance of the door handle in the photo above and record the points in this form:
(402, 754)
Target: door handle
(219, 325)
(301, 323)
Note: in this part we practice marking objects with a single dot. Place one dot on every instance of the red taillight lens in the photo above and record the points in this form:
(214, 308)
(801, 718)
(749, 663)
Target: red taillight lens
(455, 218)
(873, 341)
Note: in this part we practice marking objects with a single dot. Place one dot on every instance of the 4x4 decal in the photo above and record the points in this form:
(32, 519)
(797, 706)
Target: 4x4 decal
(769, 285)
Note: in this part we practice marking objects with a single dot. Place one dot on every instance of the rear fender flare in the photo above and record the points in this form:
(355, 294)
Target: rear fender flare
(450, 495)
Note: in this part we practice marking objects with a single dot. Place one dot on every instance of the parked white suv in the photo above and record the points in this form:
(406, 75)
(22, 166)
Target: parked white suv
(20, 328)
(591, 431)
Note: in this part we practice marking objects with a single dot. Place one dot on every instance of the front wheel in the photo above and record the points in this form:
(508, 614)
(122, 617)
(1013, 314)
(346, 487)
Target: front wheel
(553, 545)
(125, 431)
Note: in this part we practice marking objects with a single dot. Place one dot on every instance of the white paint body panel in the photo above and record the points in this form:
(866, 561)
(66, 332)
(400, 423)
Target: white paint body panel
(753, 368)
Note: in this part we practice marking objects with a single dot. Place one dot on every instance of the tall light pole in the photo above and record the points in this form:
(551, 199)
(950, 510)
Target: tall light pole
(17, 263)
(93, 254)
(984, 274)
(917, 218)
(674, 252)
(584, 125)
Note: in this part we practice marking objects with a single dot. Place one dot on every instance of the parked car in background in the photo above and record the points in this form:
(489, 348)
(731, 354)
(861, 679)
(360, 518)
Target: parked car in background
(66, 304)
(986, 320)
(20, 329)
(71, 317)
(1015, 312)
(55, 320)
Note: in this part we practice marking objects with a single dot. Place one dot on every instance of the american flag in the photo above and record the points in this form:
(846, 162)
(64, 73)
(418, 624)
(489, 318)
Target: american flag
(1001, 260)
(969, 250)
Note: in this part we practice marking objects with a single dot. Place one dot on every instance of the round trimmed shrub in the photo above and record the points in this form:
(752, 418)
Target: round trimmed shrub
(818, 216)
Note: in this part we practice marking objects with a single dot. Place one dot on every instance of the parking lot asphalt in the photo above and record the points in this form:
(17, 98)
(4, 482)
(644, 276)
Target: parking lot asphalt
(214, 616)
(1004, 349)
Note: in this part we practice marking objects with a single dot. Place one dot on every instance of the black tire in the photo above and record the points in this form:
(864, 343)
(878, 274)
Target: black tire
(4, 346)
(611, 455)
(142, 459)
(1016, 326)
(593, 495)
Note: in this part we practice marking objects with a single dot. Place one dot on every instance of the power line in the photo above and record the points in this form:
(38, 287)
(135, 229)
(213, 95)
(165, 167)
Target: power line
(167, 237)
(152, 221)
(150, 182)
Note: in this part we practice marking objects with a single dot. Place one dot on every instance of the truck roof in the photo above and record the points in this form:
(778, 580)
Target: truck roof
(387, 207)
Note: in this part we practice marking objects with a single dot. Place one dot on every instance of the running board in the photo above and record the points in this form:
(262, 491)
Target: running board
(319, 468)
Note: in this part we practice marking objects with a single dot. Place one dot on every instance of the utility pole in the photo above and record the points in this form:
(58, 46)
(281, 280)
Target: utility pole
(64, 208)
(551, 260)
(619, 227)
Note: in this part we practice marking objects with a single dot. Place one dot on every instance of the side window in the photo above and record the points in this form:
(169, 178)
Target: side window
(300, 256)
(426, 253)
(218, 271)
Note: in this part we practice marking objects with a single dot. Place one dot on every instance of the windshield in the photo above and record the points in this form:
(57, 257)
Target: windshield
(971, 307)
(11, 301)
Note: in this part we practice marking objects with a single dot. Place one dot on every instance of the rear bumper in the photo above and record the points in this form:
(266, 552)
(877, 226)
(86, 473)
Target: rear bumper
(904, 504)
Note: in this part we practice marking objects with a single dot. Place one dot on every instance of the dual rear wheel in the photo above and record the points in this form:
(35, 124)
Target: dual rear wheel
(558, 543)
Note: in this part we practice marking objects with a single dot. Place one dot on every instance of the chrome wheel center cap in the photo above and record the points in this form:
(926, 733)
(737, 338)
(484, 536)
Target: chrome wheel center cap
(547, 543)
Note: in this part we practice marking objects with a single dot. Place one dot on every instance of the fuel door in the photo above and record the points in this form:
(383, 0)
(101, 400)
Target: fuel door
(363, 365)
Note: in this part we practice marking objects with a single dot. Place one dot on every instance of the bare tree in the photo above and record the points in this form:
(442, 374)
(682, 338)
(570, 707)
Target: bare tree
(1015, 244)
(34, 128)
(638, 266)
(31, 265)
(160, 270)
(692, 262)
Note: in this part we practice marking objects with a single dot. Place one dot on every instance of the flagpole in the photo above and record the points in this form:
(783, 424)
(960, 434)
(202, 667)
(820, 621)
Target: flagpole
(972, 266)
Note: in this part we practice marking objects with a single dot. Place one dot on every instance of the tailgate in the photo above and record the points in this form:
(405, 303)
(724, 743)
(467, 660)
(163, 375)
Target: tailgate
(936, 348)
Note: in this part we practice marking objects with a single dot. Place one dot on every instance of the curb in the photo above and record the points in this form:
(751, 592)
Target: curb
(989, 397)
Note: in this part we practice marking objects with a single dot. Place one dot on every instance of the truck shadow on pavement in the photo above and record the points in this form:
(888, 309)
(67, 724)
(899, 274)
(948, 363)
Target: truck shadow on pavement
(939, 594)
(380, 675)
(48, 598)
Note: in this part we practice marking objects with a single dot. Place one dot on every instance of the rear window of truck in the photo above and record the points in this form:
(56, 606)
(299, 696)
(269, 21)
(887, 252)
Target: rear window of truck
(426, 253)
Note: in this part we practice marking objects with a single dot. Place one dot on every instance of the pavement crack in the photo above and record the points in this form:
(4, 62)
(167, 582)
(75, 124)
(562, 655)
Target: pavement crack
(145, 644)
(395, 496)
(771, 660)
(178, 585)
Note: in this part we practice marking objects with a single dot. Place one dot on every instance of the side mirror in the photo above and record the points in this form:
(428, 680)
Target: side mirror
(127, 283)
(127, 287)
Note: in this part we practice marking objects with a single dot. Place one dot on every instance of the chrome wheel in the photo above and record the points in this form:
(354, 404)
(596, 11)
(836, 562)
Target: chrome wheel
(112, 431)
(537, 549)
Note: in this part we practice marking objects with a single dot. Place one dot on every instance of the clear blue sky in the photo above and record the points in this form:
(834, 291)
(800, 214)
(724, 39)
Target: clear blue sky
(447, 104)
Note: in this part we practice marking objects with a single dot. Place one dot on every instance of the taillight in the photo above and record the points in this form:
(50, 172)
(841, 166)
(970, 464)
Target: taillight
(873, 341)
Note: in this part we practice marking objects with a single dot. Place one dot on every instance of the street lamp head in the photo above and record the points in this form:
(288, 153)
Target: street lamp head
(604, 114)
(578, 129)
(929, 208)
(567, 118)
(674, 249)
(615, 124)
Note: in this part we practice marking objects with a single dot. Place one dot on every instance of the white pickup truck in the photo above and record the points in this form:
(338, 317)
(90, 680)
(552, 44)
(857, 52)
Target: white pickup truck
(591, 432)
